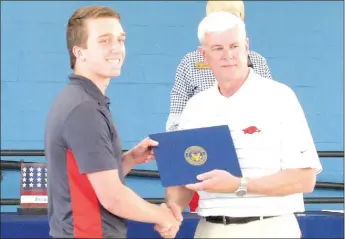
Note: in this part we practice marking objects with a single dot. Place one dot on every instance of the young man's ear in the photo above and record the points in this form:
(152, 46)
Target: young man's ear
(78, 53)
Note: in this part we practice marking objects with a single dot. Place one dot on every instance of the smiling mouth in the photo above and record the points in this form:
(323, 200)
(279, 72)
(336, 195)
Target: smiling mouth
(114, 61)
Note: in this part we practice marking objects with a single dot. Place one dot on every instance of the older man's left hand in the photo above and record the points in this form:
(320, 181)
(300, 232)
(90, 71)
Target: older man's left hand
(143, 152)
(216, 181)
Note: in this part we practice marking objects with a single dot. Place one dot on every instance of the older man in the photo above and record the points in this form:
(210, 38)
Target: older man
(278, 158)
(193, 74)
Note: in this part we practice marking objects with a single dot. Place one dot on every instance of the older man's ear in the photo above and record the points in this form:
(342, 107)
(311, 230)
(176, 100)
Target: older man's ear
(203, 53)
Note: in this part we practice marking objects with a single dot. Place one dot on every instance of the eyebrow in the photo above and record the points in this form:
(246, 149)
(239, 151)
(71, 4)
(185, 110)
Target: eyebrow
(122, 34)
(216, 45)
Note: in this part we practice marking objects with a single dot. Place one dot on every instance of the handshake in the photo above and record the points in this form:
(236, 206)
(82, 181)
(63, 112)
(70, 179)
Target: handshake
(171, 222)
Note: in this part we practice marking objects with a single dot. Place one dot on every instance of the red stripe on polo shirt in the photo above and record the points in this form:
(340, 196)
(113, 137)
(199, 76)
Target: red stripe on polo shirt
(87, 219)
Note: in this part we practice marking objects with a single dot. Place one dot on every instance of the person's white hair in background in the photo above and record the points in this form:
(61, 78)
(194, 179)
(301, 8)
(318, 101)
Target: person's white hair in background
(235, 7)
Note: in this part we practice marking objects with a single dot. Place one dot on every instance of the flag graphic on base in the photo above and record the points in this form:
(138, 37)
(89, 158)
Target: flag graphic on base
(33, 193)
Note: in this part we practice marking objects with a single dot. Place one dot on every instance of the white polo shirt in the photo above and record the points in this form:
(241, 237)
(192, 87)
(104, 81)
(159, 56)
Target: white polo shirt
(284, 141)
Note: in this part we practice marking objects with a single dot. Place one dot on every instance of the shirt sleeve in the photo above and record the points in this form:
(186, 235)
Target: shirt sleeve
(180, 94)
(88, 136)
(298, 146)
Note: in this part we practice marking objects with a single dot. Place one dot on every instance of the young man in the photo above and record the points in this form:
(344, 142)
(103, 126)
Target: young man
(194, 76)
(276, 152)
(86, 167)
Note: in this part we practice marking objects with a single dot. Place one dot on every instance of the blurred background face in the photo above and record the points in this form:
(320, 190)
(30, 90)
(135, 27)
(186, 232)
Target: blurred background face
(226, 53)
(105, 48)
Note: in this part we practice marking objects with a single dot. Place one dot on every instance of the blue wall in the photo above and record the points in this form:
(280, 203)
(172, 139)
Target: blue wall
(302, 42)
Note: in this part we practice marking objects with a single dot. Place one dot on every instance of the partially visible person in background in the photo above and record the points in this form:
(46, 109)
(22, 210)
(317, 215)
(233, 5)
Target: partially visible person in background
(194, 76)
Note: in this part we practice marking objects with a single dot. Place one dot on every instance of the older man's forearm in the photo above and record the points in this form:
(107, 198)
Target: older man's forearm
(284, 183)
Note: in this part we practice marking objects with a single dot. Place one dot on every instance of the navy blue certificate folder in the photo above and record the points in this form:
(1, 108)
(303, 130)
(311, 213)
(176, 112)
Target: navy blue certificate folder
(182, 155)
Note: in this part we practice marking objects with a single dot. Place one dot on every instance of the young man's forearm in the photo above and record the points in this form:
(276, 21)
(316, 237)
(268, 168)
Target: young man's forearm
(284, 183)
(128, 162)
(130, 206)
(181, 196)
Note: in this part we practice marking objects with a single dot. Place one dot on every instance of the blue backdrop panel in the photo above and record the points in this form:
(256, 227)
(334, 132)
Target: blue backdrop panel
(302, 42)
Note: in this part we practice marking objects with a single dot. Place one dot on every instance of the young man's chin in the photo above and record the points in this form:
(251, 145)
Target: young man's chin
(115, 73)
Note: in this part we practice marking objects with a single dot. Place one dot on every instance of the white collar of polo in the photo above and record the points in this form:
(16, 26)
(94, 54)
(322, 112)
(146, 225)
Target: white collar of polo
(250, 77)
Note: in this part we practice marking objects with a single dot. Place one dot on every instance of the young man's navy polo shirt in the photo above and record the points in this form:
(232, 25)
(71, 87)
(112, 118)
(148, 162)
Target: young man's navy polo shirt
(80, 138)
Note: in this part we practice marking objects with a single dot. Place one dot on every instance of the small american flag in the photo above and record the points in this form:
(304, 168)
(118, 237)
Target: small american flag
(34, 185)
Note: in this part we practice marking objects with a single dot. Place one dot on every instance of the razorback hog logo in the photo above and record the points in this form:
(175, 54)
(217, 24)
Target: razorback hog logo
(251, 130)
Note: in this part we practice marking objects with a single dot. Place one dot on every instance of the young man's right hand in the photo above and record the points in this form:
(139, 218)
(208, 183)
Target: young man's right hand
(171, 224)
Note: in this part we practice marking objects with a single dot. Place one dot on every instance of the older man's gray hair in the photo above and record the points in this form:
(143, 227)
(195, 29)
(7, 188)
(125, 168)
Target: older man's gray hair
(220, 22)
